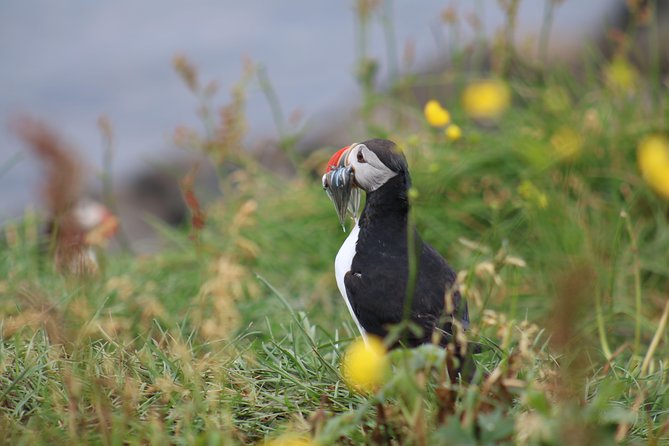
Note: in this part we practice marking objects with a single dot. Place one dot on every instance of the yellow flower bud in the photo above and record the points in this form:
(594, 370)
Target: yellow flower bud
(365, 365)
(621, 75)
(486, 99)
(435, 114)
(453, 132)
(653, 160)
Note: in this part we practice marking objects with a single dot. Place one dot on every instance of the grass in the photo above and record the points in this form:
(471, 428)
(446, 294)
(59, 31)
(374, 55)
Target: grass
(235, 332)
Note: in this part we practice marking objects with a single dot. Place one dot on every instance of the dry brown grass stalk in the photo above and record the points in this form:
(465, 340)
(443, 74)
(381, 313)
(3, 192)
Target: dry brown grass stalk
(198, 216)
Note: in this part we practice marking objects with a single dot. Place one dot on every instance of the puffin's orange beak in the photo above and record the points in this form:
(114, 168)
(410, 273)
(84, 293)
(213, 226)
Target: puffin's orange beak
(338, 159)
(338, 183)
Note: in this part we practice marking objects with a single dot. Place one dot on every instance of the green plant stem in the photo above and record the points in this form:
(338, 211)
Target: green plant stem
(413, 266)
(479, 53)
(601, 326)
(272, 99)
(546, 25)
(387, 23)
(616, 252)
(656, 340)
(285, 143)
(637, 283)
(655, 61)
(509, 45)
(108, 189)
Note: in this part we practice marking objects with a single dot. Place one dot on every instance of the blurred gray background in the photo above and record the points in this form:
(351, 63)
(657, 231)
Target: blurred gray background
(68, 63)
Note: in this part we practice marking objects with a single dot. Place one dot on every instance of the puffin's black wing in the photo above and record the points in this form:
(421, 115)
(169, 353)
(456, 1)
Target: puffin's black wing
(430, 296)
(377, 294)
(376, 298)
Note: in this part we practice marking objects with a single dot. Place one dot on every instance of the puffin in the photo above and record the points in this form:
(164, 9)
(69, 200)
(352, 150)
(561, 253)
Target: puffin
(77, 227)
(372, 266)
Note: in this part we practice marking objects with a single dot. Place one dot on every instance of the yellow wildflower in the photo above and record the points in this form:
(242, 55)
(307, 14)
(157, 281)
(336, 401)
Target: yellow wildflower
(653, 160)
(620, 74)
(453, 132)
(532, 194)
(435, 114)
(291, 439)
(486, 99)
(365, 364)
(567, 143)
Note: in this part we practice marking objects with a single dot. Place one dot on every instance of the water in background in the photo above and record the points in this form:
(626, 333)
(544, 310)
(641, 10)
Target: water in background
(70, 62)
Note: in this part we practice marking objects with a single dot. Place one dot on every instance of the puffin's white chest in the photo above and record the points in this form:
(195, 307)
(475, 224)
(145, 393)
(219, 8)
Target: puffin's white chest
(343, 263)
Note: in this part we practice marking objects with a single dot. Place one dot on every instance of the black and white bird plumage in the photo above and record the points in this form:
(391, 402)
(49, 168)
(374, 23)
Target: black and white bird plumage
(372, 266)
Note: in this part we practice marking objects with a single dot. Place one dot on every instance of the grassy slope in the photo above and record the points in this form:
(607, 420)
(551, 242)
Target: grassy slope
(239, 337)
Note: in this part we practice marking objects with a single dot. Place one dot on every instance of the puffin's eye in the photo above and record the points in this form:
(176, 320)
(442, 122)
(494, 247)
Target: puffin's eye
(361, 158)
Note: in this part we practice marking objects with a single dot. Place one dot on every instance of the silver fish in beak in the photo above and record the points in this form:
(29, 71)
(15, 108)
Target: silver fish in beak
(339, 184)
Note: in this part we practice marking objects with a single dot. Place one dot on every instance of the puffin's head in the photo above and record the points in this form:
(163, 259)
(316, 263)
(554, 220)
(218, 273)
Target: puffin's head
(361, 166)
(98, 224)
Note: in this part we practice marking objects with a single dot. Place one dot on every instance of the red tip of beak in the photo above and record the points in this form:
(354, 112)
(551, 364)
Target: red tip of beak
(334, 161)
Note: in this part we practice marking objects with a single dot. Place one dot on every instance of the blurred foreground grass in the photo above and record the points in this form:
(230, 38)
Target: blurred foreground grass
(234, 334)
